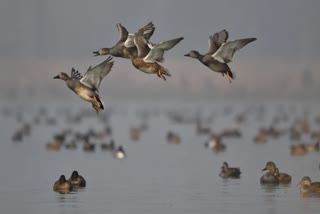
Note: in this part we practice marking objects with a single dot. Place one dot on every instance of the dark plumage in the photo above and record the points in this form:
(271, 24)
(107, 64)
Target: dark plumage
(77, 180)
(228, 172)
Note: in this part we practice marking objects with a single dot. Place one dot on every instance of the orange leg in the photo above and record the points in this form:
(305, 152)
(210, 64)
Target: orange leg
(229, 77)
(97, 102)
(161, 75)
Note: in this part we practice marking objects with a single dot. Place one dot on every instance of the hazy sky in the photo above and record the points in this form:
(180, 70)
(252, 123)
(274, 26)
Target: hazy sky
(75, 28)
(40, 38)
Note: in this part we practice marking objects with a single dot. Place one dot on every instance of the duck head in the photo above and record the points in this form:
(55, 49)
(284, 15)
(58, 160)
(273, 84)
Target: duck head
(193, 54)
(305, 181)
(102, 51)
(270, 166)
(225, 166)
(62, 76)
(62, 179)
(74, 175)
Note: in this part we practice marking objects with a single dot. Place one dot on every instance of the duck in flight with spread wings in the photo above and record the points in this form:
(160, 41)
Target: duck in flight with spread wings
(150, 54)
(125, 42)
(220, 53)
(86, 87)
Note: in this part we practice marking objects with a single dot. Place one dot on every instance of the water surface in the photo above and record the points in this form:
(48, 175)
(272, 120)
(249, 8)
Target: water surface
(156, 177)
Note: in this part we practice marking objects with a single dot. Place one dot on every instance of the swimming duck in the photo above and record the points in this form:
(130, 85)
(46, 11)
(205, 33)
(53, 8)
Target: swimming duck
(311, 146)
(108, 146)
(215, 143)
(86, 87)
(298, 149)
(220, 53)
(72, 145)
(231, 133)
(53, 146)
(146, 60)
(126, 38)
(284, 178)
(62, 185)
(269, 177)
(261, 137)
(173, 138)
(228, 172)
(77, 180)
(17, 136)
(135, 132)
(88, 147)
(306, 186)
(119, 153)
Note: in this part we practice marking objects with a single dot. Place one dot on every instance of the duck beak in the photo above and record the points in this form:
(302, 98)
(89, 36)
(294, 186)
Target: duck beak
(96, 53)
(299, 184)
(187, 55)
(264, 169)
(56, 77)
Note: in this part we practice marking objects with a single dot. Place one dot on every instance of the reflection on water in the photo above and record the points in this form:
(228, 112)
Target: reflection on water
(156, 176)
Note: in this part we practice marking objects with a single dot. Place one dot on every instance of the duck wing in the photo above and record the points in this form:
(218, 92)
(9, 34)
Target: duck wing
(123, 33)
(216, 40)
(75, 74)
(226, 51)
(157, 51)
(94, 76)
(148, 31)
(141, 44)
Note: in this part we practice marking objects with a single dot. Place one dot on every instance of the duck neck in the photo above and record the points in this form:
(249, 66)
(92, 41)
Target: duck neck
(70, 83)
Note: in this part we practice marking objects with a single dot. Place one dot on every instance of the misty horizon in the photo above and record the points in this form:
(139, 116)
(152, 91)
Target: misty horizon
(41, 38)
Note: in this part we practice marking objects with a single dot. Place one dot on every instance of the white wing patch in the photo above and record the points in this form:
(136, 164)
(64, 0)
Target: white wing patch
(217, 54)
(129, 43)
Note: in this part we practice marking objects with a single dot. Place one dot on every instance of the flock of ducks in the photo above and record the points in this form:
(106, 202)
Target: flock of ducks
(146, 56)
(273, 177)
(70, 139)
(60, 140)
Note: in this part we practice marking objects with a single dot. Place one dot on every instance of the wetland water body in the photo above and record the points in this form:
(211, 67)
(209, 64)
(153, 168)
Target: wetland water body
(156, 177)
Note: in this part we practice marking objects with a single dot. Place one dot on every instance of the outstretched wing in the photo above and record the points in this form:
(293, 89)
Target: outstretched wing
(94, 76)
(123, 33)
(75, 74)
(167, 45)
(216, 40)
(156, 53)
(226, 51)
(148, 30)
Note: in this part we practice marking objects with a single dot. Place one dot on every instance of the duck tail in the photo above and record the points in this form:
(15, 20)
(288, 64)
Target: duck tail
(98, 105)
(101, 103)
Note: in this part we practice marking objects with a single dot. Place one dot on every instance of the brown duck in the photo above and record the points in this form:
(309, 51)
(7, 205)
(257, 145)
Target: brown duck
(306, 186)
(148, 55)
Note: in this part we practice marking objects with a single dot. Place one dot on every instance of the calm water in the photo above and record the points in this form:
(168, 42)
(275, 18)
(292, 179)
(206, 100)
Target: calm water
(156, 177)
